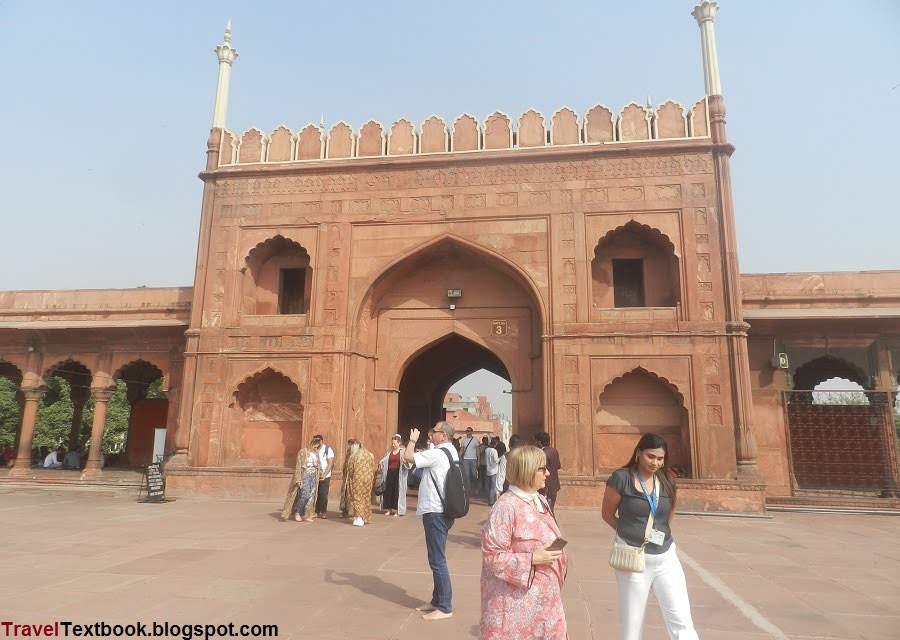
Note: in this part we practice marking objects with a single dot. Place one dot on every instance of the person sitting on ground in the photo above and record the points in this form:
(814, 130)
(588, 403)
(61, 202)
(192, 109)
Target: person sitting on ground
(72, 459)
(54, 459)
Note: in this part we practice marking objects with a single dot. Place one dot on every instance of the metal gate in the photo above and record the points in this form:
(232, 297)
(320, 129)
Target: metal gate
(842, 441)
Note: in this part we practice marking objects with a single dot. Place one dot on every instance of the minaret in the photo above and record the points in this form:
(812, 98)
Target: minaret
(704, 13)
(226, 57)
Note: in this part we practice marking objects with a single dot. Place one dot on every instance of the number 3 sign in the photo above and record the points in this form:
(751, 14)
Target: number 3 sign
(498, 327)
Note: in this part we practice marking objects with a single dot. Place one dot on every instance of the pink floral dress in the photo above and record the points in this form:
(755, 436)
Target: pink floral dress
(519, 600)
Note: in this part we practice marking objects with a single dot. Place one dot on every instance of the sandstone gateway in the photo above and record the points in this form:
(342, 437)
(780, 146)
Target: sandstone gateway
(347, 278)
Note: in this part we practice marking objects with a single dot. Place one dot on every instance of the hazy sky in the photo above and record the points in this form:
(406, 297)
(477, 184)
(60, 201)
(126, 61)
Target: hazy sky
(107, 107)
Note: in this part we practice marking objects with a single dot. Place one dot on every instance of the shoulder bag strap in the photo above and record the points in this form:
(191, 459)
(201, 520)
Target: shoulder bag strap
(431, 474)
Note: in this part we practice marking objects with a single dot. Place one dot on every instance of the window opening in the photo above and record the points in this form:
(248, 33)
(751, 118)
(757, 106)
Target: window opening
(628, 282)
(291, 291)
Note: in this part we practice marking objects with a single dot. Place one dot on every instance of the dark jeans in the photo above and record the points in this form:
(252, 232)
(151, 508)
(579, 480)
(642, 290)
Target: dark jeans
(322, 498)
(470, 473)
(437, 525)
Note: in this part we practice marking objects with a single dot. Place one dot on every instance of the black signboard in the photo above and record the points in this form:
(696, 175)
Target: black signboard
(156, 486)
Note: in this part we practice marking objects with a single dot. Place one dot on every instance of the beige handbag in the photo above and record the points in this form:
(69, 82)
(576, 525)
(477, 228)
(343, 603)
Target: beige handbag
(624, 557)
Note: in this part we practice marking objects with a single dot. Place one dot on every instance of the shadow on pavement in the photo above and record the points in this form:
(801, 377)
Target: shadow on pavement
(373, 586)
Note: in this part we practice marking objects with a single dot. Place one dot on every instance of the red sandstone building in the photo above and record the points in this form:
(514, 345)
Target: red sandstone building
(347, 278)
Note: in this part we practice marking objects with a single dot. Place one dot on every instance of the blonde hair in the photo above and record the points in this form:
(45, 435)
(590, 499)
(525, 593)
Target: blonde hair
(522, 463)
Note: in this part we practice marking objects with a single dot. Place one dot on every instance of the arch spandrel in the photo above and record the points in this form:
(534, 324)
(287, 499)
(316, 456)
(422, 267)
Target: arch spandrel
(362, 295)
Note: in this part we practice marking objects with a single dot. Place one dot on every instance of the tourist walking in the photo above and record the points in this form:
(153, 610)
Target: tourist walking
(301, 497)
(359, 476)
(491, 465)
(500, 484)
(468, 455)
(542, 439)
(521, 576)
(642, 488)
(326, 462)
(435, 465)
(394, 472)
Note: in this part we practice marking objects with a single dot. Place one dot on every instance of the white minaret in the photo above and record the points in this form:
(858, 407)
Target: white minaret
(226, 57)
(704, 13)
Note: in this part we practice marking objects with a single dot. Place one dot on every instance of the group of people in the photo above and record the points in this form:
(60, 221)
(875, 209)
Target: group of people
(524, 563)
(58, 458)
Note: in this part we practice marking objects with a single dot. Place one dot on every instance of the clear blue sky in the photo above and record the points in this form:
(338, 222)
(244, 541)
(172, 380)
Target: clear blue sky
(106, 109)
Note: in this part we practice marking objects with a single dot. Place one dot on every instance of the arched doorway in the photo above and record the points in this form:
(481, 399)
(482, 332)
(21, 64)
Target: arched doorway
(435, 315)
(430, 375)
(840, 431)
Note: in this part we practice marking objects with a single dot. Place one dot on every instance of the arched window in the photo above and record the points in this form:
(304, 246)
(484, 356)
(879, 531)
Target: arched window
(279, 280)
(635, 266)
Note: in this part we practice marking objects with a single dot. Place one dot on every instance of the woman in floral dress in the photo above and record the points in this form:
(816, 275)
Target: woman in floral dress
(521, 579)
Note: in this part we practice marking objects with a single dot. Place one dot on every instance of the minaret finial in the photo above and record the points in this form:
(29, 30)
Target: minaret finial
(226, 56)
(704, 13)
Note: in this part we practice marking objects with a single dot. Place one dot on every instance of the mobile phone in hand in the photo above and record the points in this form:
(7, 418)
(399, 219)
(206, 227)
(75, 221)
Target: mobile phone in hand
(557, 545)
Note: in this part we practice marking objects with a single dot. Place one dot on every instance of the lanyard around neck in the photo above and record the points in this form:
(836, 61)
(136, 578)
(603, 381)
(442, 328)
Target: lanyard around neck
(652, 498)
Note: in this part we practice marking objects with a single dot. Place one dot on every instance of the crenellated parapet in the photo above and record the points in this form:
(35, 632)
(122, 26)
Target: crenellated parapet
(599, 125)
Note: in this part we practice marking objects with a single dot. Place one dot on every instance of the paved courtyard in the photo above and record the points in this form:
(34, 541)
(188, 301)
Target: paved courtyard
(87, 557)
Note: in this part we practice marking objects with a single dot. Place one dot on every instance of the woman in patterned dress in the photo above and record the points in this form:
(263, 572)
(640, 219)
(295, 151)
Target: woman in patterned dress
(301, 497)
(521, 580)
(394, 472)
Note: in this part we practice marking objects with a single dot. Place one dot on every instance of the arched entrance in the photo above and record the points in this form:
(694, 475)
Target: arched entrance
(430, 375)
(437, 314)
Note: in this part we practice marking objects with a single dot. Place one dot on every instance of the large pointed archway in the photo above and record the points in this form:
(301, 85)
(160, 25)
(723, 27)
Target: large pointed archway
(431, 317)
(430, 375)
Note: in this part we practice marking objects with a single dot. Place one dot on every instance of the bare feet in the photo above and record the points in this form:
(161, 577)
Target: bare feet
(396, 515)
(437, 615)
(298, 518)
(425, 608)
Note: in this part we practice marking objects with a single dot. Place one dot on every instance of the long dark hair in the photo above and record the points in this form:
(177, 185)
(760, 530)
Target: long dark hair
(654, 441)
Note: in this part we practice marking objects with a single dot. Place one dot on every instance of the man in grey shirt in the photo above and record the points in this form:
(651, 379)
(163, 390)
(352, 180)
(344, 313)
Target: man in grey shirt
(469, 460)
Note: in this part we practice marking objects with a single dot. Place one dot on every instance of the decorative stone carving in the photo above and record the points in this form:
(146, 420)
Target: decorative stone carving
(531, 129)
(310, 143)
(402, 139)
(598, 125)
(251, 146)
(466, 134)
(226, 151)
(634, 123)
(670, 120)
(371, 140)
(564, 127)
(340, 141)
(497, 131)
(434, 137)
(280, 145)
(699, 119)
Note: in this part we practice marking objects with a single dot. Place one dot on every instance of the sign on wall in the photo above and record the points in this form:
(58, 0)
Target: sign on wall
(498, 327)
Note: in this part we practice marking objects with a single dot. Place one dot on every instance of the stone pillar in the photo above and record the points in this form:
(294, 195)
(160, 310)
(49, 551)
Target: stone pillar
(704, 13)
(226, 57)
(101, 402)
(22, 466)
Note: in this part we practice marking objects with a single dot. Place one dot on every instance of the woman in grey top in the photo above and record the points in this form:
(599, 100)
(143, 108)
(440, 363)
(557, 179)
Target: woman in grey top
(642, 486)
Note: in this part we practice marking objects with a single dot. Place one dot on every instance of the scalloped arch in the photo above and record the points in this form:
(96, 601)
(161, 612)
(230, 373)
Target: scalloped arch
(654, 233)
(256, 253)
(830, 367)
(260, 374)
(642, 371)
(11, 372)
(136, 362)
(67, 366)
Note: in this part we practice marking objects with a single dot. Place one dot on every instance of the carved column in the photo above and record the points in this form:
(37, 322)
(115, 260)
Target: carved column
(32, 396)
(704, 13)
(101, 403)
(226, 57)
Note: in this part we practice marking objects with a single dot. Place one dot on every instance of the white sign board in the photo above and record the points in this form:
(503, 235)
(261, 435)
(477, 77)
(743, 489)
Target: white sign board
(159, 445)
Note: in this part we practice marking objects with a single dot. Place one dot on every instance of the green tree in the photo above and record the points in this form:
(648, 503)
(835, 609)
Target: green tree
(9, 413)
(54, 416)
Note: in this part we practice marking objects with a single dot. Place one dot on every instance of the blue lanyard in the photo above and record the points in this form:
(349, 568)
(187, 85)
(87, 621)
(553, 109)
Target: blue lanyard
(651, 497)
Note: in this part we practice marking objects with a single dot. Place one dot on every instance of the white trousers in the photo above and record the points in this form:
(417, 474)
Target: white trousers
(666, 577)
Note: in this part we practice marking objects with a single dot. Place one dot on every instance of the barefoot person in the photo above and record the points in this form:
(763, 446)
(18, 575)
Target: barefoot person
(435, 466)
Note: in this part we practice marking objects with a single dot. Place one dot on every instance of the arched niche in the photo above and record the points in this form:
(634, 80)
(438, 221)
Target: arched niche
(635, 266)
(633, 404)
(265, 421)
(277, 279)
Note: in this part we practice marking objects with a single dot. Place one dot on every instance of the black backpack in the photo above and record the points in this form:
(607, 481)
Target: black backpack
(456, 504)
